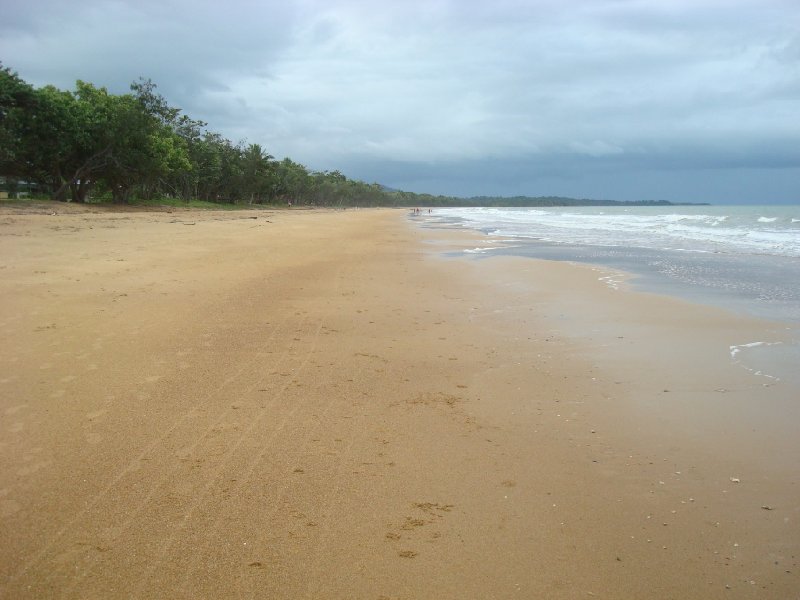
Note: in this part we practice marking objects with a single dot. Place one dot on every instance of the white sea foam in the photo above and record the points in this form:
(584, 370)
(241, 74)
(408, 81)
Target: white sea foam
(737, 349)
(729, 229)
(611, 281)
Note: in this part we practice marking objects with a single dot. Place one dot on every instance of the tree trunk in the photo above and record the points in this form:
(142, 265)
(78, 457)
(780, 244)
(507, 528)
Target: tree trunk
(83, 172)
(59, 186)
(80, 190)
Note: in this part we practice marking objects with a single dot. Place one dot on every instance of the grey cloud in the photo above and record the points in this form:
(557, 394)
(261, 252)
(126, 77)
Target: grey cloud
(453, 90)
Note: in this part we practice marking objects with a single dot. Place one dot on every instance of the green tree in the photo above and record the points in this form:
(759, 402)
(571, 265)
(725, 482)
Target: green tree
(256, 174)
(131, 144)
(70, 142)
(17, 99)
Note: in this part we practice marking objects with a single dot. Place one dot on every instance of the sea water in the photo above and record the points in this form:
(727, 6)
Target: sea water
(759, 230)
(746, 258)
(741, 258)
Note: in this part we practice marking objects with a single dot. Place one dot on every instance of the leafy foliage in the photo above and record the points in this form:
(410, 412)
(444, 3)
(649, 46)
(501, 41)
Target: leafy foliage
(70, 143)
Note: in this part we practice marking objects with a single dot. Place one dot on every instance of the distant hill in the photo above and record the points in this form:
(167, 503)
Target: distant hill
(529, 201)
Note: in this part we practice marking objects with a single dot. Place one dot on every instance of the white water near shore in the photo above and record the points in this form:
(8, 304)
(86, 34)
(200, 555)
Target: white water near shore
(740, 258)
(763, 230)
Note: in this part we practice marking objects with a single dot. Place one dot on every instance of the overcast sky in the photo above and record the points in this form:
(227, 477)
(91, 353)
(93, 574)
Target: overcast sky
(684, 100)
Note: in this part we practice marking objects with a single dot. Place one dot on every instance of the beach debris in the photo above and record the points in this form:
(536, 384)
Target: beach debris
(735, 480)
(767, 507)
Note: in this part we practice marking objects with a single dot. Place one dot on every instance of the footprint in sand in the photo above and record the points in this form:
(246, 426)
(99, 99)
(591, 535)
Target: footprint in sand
(434, 508)
(412, 523)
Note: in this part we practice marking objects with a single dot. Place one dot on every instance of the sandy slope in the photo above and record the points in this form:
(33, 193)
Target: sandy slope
(311, 404)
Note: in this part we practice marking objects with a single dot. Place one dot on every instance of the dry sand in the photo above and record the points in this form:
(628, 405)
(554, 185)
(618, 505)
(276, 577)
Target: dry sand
(312, 404)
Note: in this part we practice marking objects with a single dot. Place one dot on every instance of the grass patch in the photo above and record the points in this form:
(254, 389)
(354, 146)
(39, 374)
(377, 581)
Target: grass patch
(178, 203)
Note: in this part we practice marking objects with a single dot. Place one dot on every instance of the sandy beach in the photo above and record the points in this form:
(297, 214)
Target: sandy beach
(319, 404)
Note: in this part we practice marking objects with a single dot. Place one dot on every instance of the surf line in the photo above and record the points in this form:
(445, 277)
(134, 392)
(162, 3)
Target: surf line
(735, 350)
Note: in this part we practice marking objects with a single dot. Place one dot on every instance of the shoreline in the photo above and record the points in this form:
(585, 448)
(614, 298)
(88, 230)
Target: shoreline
(320, 404)
(651, 273)
(754, 280)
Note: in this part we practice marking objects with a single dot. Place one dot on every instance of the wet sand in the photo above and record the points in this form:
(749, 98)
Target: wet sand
(316, 404)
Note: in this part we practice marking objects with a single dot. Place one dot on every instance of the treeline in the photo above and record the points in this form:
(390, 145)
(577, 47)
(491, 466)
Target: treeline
(88, 143)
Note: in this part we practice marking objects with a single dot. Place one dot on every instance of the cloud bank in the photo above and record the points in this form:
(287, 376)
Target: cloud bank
(625, 99)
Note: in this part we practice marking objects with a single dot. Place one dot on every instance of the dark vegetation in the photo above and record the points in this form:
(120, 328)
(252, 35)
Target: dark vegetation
(88, 145)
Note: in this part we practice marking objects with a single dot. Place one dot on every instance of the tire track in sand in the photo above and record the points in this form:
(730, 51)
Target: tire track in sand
(213, 480)
(267, 446)
(168, 475)
(279, 493)
(134, 465)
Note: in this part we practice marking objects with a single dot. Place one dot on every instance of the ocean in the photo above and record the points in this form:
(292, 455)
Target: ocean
(744, 259)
